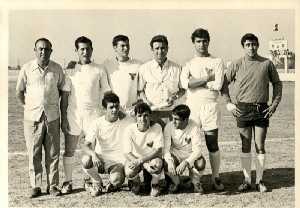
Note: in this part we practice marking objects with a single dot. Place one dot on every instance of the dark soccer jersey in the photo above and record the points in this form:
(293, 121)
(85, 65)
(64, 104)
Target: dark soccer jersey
(251, 77)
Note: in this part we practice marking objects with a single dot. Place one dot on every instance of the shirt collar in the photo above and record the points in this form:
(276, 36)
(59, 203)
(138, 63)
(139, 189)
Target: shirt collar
(36, 65)
(250, 58)
(196, 56)
(116, 59)
(165, 65)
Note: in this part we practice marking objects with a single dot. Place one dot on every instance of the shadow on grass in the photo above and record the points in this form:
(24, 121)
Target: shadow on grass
(77, 190)
(274, 178)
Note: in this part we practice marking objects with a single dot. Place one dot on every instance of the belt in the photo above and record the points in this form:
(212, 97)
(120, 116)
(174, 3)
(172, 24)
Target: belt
(255, 105)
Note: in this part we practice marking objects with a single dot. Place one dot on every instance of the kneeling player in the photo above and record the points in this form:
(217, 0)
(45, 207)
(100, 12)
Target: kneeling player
(182, 149)
(107, 157)
(143, 150)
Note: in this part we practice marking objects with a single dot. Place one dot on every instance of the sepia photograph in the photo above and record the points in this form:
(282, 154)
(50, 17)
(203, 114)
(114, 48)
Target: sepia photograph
(151, 106)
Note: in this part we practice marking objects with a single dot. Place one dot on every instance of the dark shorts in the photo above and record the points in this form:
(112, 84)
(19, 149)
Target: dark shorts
(252, 115)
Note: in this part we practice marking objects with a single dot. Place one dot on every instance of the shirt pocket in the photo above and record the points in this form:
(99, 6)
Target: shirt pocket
(51, 80)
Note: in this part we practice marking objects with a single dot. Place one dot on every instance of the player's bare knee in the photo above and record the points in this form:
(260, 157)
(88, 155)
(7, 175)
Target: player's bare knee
(200, 164)
(246, 134)
(131, 173)
(87, 162)
(117, 178)
(155, 166)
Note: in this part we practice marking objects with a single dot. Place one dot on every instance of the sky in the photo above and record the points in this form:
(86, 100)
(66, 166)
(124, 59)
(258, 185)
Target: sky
(226, 27)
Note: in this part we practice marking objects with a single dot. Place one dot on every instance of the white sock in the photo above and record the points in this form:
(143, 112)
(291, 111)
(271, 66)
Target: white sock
(196, 175)
(215, 160)
(155, 178)
(246, 159)
(93, 173)
(68, 167)
(260, 166)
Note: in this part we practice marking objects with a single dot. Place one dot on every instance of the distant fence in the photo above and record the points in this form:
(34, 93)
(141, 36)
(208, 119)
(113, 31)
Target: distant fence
(287, 76)
(290, 76)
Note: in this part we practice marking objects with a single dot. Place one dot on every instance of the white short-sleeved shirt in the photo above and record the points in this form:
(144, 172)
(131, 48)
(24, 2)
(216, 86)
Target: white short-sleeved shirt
(183, 144)
(123, 79)
(108, 137)
(196, 68)
(41, 87)
(159, 83)
(86, 84)
(142, 143)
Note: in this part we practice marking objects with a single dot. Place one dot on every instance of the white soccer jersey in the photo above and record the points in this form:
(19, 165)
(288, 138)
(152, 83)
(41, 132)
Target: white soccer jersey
(123, 78)
(108, 137)
(85, 84)
(196, 68)
(142, 143)
(183, 144)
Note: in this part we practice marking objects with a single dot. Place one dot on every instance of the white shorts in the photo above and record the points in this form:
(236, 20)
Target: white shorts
(79, 122)
(206, 115)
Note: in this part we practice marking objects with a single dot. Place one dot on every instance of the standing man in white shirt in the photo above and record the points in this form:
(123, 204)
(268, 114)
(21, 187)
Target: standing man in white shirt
(182, 149)
(203, 77)
(81, 102)
(123, 73)
(39, 85)
(143, 145)
(159, 81)
(106, 134)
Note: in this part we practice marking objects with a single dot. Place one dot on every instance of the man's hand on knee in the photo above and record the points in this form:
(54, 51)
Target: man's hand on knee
(181, 167)
(171, 167)
(98, 162)
(133, 164)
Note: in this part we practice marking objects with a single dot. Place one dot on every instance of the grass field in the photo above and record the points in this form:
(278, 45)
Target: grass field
(279, 175)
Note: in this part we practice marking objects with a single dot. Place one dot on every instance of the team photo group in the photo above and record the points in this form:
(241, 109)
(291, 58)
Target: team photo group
(143, 123)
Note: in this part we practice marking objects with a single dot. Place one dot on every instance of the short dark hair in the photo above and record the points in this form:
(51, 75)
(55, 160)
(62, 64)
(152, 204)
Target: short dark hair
(200, 33)
(142, 108)
(249, 36)
(183, 111)
(83, 39)
(43, 39)
(160, 39)
(118, 38)
(110, 97)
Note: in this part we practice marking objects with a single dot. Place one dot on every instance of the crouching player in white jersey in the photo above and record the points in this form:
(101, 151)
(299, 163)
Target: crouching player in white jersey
(85, 83)
(143, 150)
(203, 77)
(107, 133)
(182, 149)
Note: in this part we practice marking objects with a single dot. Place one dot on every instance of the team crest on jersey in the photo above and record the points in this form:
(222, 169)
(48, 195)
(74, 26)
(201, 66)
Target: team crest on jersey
(132, 75)
(188, 140)
(150, 144)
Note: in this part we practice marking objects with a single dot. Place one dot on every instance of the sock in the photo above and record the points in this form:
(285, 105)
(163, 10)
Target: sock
(93, 173)
(196, 175)
(246, 159)
(155, 178)
(68, 167)
(260, 165)
(215, 160)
